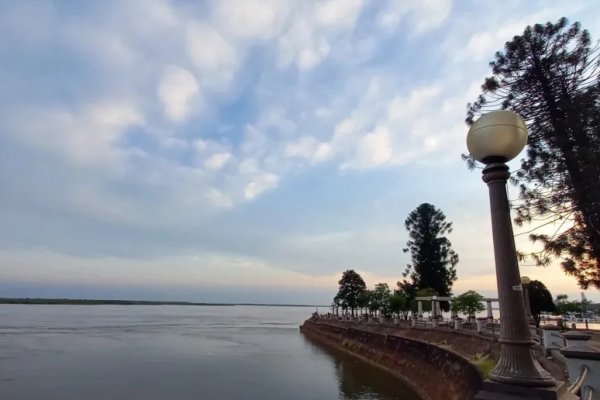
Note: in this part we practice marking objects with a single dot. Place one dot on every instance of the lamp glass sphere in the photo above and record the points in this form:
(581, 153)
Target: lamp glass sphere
(497, 136)
(525, 280)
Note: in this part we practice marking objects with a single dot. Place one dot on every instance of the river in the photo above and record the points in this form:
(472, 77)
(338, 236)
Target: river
(176, 352)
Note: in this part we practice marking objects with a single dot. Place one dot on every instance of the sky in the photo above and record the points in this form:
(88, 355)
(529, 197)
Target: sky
(244, 150)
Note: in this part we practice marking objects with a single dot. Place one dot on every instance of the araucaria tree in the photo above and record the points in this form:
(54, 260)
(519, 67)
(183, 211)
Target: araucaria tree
(433, 260)
(351, 287)
(550, 75)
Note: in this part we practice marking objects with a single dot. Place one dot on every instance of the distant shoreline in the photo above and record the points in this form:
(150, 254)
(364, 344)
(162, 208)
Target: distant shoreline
(94, 302)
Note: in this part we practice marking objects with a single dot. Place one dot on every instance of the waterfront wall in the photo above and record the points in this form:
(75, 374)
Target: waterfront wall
(436, 373)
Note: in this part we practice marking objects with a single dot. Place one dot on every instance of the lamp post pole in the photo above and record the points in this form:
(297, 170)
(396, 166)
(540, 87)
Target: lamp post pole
(494, 139)
(516, 365)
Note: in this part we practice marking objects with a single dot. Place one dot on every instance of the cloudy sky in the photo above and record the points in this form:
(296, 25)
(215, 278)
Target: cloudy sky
(242, 150)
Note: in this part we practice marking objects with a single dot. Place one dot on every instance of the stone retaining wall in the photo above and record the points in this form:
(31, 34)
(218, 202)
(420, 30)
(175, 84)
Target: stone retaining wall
(436, 373)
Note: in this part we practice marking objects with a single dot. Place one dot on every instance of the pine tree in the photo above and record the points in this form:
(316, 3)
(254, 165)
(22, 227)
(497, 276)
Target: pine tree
(550, 76)
(433, 260)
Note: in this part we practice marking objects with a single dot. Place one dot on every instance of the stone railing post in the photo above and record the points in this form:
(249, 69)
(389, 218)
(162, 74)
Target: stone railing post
(419, 309)
(490, 313)
(457, 323)
(480, 324)
(581, 356)
(414, 322)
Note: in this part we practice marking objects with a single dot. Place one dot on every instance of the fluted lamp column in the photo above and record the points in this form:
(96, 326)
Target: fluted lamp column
(494, 139)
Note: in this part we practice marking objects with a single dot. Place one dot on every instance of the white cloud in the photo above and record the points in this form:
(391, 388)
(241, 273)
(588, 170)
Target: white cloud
(344, 128)
(407, 107)
(303, 46)
(109, 48)
(217, 161)
(324, 152)
(214, 57)
(359, 110)
(309, 148)
(248, 166)
(219, 199)
(374, 149)
(177, 91)
(423, 15)
(303, 147)
(250, 19)
(487, 38)
(255, 142)
(154, 15)
(338, 14)
(86, 136)
(259, 184)
(105, 206)
(314, 31)
(200, 145)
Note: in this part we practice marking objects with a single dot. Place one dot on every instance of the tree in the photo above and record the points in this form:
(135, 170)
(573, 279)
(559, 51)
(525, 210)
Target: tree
(351, 285)
(564, 306)
(380, 298)
(468, 303)
(433, 260)
(364, 298)
(550, 76)
(399, 304)
(540, 300)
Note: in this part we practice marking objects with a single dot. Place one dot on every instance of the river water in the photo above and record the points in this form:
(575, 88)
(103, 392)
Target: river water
(175, 352)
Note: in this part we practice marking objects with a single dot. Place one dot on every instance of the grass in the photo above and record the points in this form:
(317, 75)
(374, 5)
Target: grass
(485, 365)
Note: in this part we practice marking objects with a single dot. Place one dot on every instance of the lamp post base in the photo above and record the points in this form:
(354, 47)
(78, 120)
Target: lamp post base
(503, 391)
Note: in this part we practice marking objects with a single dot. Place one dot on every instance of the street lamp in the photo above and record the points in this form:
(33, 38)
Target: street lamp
(494, 139)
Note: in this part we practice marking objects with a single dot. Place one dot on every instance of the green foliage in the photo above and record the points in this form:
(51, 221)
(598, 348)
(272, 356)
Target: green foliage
(433, 260)
(398, 303)
(364, 298)
(485, 365)
(540, 300)
(564, 306)
(351, 286)
(380, 298)
(550, 76)
(468, 303)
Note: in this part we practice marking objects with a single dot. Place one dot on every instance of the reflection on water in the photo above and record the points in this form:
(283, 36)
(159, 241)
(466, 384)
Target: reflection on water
(357, 380)
(175, 352)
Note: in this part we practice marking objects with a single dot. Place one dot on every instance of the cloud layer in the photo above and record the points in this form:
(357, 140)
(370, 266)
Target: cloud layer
(293, 135)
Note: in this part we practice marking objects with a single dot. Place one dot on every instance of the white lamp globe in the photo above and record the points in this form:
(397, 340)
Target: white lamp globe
(497, 136)
(525, 280)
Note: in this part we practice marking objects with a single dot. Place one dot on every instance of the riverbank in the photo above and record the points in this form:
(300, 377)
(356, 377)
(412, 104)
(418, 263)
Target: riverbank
(436, 365)
(439, 363)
